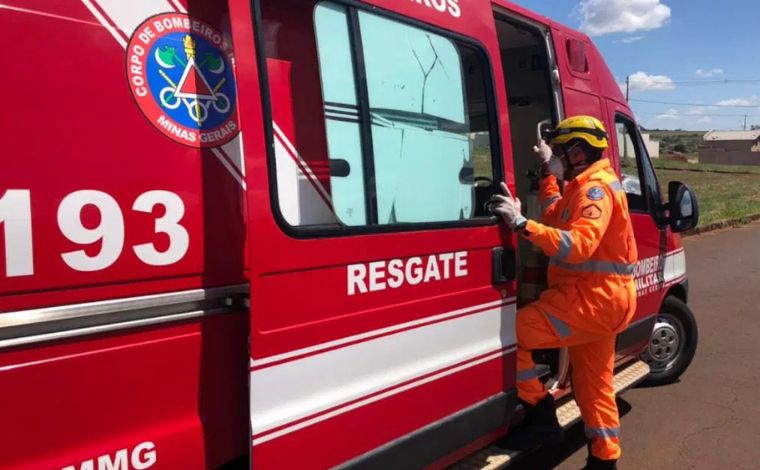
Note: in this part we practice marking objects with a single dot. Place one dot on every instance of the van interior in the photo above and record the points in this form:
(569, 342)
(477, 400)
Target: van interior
(533, 98)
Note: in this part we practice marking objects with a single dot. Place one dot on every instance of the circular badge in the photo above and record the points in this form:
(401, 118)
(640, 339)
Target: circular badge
(180, 76)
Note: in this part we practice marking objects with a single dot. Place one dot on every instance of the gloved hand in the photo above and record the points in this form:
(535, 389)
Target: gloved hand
(555, 167)
(508, 208)
(543, 151)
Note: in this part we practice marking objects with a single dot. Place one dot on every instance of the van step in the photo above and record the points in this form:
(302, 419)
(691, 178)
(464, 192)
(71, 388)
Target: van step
(493, 458)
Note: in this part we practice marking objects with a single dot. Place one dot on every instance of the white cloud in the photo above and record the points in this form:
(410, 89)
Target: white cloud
(641, 81)
(672, 113)
(699, 112)
(630, 39)
(696, 111)
(600, 17)
(752, 101)
(707, 73)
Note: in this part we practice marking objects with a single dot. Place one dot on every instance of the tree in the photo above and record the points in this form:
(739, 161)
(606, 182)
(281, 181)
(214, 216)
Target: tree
(680, 148)
(755, 127)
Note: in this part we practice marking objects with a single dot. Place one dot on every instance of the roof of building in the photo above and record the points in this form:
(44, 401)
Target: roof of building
(732, 135)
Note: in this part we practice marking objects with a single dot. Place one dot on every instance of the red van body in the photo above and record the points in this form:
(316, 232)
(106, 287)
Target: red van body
(201, 263)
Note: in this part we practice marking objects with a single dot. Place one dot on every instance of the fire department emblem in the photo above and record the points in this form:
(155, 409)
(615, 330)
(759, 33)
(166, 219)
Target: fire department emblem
(595, 194)
(180, 76)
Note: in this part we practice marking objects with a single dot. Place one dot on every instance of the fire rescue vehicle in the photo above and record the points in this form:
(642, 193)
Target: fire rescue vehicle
(254, 231)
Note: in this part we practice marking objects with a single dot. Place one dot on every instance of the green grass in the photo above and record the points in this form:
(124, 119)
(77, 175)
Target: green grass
(724, 192)
(667, 163)
(721, 196)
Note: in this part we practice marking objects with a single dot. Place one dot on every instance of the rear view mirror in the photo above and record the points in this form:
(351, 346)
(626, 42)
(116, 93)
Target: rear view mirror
(683, 206)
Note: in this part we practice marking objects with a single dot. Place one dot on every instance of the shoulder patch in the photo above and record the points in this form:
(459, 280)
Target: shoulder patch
(592, 211)
(595, 194)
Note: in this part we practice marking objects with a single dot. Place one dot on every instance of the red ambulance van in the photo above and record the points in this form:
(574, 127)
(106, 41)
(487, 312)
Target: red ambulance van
(254, 231)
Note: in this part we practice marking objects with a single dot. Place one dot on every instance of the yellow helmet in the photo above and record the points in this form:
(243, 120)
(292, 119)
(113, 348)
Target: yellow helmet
(587, 128)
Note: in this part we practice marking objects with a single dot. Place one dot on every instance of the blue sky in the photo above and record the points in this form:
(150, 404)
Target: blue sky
(663, 43)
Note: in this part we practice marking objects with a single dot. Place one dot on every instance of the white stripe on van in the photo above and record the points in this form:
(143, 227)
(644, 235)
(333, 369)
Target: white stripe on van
(311, 350)
(380, 396)
(310, 389)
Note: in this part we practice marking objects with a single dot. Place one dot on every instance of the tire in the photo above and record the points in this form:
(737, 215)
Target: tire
(672, 344)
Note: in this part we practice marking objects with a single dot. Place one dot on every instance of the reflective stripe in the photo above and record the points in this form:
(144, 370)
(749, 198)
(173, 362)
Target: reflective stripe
(602, 433)
(549, 202)
(615, 186)
(563, 330)
(607, 267)
(527, 374)
(565, 214)
(565, 244)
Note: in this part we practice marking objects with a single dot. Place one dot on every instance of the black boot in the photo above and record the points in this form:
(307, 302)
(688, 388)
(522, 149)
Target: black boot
(592, 463)
(540, 428)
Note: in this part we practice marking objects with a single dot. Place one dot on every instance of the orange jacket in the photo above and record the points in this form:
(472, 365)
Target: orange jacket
(588, 236)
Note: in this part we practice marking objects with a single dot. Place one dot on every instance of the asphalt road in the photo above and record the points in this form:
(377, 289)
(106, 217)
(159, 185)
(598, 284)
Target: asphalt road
(711, 418)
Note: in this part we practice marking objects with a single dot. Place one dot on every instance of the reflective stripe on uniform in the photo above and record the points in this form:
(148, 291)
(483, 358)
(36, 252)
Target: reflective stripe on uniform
(545, 205)
(602, 433)
(565, 244)
(607, 267)
(527, 374)
(565, 214)
(563, 330)
(615, 186)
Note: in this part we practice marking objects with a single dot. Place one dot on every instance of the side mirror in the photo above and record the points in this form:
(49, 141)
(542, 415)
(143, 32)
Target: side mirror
(683, 207)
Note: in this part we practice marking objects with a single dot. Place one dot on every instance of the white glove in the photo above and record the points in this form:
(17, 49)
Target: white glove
(508, 208)
(551, 162)
(555, 167)
(543, 151)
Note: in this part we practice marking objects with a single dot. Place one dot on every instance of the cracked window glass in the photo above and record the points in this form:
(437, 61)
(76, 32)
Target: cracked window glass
(406, 122)
(420, 124)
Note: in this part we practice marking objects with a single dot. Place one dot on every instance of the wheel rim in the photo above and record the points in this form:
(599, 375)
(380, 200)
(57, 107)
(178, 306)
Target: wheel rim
(665, 345)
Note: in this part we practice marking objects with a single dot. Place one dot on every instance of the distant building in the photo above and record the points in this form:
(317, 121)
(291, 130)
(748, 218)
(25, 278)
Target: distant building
(653, 146)
(730, 148)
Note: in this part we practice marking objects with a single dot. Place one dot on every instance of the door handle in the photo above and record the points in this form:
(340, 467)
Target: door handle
(504, 265)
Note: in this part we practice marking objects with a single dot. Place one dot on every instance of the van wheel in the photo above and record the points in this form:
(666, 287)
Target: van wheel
(672, 344)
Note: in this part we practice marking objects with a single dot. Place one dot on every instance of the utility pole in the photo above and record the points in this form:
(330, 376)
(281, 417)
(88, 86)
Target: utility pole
(627, 87)
(745, 122)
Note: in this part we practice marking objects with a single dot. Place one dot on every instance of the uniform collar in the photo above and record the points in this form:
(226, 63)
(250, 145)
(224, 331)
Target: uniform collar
(600, 165)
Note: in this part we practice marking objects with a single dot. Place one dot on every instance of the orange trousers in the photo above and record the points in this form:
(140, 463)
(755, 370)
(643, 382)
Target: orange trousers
(592, 357)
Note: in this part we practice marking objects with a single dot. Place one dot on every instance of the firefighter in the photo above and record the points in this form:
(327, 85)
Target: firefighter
(586, 231)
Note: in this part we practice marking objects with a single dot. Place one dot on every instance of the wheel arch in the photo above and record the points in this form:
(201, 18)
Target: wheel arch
(679, 291)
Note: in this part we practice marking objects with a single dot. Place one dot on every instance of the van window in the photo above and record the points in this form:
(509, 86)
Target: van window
(638, 178)
(406, 122)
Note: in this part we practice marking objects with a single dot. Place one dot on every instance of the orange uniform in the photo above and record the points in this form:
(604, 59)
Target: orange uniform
(591, 296)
